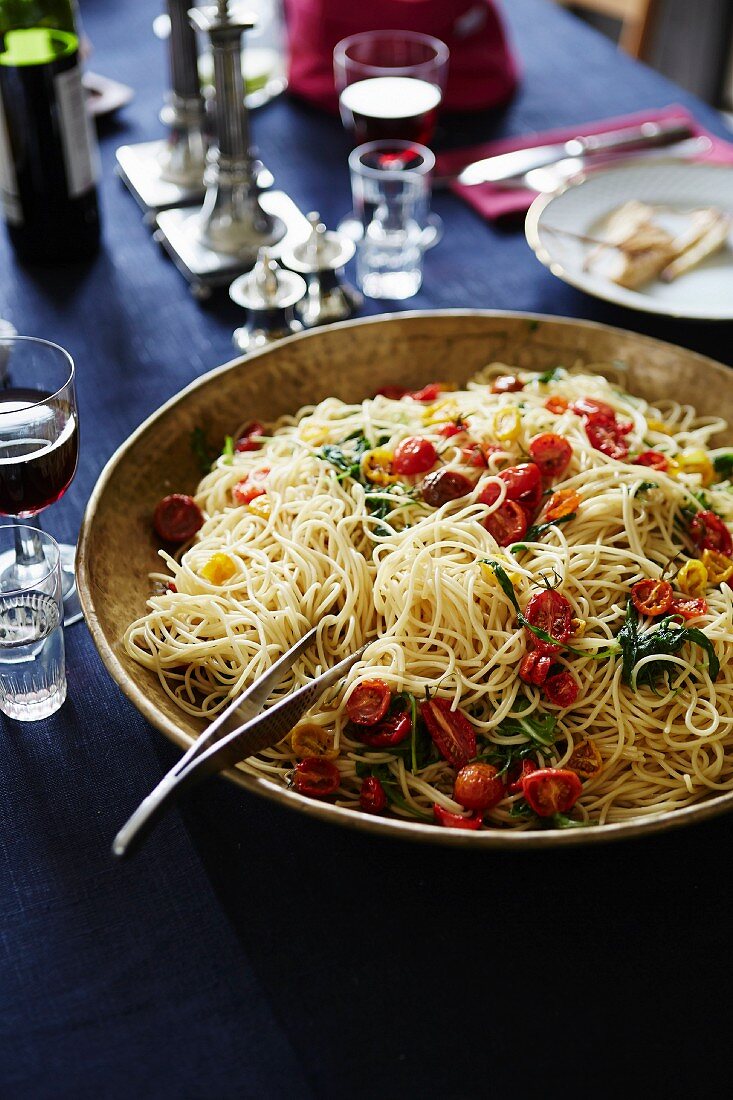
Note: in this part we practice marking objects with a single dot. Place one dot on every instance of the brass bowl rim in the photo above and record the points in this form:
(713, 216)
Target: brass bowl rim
(323, 811)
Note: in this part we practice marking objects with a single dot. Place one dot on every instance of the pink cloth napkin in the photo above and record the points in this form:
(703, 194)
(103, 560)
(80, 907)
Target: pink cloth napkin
(495, 202)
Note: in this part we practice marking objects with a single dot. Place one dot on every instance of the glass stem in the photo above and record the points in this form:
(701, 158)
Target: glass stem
(28, 546)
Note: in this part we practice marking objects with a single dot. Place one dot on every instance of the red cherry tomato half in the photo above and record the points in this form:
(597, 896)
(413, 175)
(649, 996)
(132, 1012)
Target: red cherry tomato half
(414, 456)
(428, 393)
(368, 702)
(473, 455)
(552, 454)
(316, 777)
(372, 798)
(477, 787)
(444, 485)
(177, 518)
(456, 427)
(652, 597)
(561, 689)
(655, 460)
(590, 406)
(605, 436)
(688, 607)
(534, 667)
(507, 524)
(451, 731)
(523, 484)
(551, 790)
(556, 405)
(507, 383)
(710, 533)
(549, 611)
(393, 729)
(250, 439)
(394, 393)
(253, 485)
(456, 821)
(517, 773)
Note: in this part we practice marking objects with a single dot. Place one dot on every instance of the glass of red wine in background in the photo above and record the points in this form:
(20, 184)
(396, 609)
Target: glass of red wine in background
(39, 446)
(390, 86)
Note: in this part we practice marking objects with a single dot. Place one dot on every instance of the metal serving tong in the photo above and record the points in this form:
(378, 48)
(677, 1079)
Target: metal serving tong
(238, 732)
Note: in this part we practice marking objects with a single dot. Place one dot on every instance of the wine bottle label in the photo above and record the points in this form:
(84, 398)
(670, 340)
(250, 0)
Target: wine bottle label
(8, 181)
(81, 158)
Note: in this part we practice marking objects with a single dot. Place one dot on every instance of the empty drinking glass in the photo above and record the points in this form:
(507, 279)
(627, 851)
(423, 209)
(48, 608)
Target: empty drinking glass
(32, 670)
(390, 184)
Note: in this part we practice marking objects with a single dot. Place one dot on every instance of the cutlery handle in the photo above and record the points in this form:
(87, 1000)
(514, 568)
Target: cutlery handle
(632, 137)
(134, 831)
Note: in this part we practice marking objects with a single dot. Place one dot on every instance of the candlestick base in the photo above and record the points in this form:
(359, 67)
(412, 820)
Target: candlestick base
(204, 269)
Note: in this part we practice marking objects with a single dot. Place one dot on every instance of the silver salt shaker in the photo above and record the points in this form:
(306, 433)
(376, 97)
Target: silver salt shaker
(321, 259)
(269, 294)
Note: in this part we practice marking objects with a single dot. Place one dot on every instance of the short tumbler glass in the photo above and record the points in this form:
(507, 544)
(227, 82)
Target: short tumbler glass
(32, 669)
(390, 184)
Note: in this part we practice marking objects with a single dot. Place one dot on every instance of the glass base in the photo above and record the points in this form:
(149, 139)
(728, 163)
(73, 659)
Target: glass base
(352, 228)
(30, 709)
(72, 608)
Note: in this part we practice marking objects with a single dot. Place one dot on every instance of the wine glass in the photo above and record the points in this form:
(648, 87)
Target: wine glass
(39, 446)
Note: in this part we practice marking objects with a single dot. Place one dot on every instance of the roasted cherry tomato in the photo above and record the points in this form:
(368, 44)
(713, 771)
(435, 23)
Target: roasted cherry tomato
(372, 798)
(393, 729)
(561, 689)
(551, 790)
(556, 404)
(605, 435)
(710, 533)
(590, 406)
(309, 740)
(689, 607)
(414, 456)
(444, 485)
(507, 383)
(316, 776)
(562, 503)
(368, 702)
(473, 455)
(552, 454)
(507, 524)
(585, 760)
(177, 518)
(455, 427)
(250, 439)
(719, 567)
(451, 731)
(692, 578)
(652, 597)
(456, 821)
(534, 667)
(517, 773)
(523, 484)
(428, 393)
(394, 393)
(253, 485)
(478, 787)
(549, 611)
(655, 460)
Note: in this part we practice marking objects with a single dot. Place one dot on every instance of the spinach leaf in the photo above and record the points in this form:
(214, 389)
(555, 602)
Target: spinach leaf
(551, 375)
(562, 821)
(540, 728)
(534, 532)
(724, 465)
(202, 449)
(663, 640)
(347, 462)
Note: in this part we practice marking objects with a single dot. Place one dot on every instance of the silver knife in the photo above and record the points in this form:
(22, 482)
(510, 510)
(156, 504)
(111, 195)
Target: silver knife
(508, 165)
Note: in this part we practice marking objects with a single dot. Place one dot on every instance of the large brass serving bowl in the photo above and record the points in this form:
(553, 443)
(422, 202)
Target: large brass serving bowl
(117, 549)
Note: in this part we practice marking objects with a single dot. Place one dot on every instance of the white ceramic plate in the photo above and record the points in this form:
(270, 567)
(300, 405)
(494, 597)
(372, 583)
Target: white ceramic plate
(580, 208)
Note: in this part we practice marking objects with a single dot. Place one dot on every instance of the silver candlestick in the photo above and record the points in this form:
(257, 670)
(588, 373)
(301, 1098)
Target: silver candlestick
(223, 237)
(269, 295)
(169, 173)
(321, 259)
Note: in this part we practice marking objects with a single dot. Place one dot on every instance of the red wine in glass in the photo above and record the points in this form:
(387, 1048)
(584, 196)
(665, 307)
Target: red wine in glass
(38, 462)
(384, 107)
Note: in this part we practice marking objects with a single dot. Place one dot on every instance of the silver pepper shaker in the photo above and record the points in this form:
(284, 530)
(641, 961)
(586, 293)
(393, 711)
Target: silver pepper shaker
(269, 294)
(321, 258)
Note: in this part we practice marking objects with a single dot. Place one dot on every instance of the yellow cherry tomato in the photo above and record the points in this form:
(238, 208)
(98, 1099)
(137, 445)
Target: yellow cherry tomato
(309, 739)
(673, 468)
(719, 567)
(656, 425)
(692, 578)
(507, 423)
(442, 412)
(219, 569)
(577, 628)
(313, 433)
(376, 466)
(489, 575)
(696, 462)
(260, 506)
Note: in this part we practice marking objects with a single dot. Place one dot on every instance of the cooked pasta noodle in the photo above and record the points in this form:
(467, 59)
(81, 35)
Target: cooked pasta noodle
(358, 551)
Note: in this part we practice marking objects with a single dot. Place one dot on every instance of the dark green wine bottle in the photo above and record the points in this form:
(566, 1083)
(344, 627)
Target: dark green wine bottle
(48, 151)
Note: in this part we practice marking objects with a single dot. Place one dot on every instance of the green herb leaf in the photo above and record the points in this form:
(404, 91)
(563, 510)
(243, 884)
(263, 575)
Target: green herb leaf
(228, 451)
(562, 821)
(534, 532)
(663, 640)
(724, 465)
(540, 728)
(551, 375)
(202, 449)
(645, 486)
(346, 456)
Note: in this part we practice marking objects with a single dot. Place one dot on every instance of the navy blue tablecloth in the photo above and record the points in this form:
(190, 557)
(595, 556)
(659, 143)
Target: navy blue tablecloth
(248, 952)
